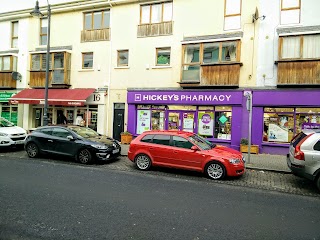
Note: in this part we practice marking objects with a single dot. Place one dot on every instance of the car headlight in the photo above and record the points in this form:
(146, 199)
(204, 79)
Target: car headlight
(234, 161)
(3, 134)
(99, 146)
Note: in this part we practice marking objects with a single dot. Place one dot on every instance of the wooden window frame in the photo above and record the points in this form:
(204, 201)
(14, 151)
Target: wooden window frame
(11, 63)
(118, 62)
(52, 62)
(92, 20)
(150, 11)
(301, 47)
(43, 34)
(231, 15)
(83, 55)
(291, 8)
(13, 37)
(162, 48)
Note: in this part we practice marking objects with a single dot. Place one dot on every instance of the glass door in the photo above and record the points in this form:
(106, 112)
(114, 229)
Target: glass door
(182, 120)
(174, 121)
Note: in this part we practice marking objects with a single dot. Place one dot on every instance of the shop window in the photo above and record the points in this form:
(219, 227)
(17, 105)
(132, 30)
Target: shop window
(143, 121)
(123, 58)
(157, 120)
(281, 124)
(205, 123)
(163, 56)
(222, 127)
(232, 14)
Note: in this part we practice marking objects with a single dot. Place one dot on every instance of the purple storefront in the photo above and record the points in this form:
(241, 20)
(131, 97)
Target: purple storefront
(222, 116)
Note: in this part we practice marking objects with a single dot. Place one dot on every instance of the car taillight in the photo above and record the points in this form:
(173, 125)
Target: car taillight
(298, 154)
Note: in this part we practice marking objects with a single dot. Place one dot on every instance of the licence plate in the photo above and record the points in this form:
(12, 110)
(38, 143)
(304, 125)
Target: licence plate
(19, 142)
(115, 151)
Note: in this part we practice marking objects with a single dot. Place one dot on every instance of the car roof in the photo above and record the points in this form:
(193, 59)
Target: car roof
(169, 132)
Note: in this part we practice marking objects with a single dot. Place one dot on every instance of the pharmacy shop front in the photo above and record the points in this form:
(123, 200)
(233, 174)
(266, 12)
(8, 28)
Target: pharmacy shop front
(215, 115)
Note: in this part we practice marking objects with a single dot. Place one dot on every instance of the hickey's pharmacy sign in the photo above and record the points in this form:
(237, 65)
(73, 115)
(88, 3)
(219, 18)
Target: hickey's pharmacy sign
(185, 97)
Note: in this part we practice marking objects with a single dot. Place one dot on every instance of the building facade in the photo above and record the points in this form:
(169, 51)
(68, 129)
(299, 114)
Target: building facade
(183, 65)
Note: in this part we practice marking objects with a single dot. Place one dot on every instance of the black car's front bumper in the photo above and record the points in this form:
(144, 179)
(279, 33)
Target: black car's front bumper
(108, 155)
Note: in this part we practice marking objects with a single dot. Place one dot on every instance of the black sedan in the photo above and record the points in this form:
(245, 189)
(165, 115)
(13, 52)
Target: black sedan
(84, 144)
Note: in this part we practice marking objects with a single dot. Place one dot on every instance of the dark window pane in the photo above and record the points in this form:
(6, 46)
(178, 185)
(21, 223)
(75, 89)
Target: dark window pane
(58, 132)
(317, 146)
(162, 139)
(147, 138)
(47, 131)
(58, 60)
(181, 142)
(87, 60)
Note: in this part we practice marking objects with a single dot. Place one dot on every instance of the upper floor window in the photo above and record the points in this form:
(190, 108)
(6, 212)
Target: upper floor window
(97, 20)
(156, 13)
(39, 60)
(8, 63)
(163, 56)
(43, 31)
(290, 11)
(300, 47)
(14, 34)
(232, 14)
(123, 58)
(87, 60)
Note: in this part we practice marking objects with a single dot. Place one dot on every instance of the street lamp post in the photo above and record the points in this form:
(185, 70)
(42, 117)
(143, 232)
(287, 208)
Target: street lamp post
(36, 13)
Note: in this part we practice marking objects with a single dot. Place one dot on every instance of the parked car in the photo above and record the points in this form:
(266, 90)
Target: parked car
(185, 150)
(11, 135)
(84, 144)
(304, 155)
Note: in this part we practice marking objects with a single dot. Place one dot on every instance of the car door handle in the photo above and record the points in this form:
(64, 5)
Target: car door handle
(50, 140)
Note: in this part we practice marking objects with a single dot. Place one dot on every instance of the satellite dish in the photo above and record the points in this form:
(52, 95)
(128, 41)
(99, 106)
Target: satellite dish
(16, 76)
(255, 16)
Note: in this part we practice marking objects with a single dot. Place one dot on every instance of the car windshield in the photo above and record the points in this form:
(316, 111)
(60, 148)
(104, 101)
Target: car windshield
(5, 123)
(208, 142)
(200, 142)
(85, 132)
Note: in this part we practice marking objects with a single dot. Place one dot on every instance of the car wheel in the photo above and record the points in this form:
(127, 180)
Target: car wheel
(318, 182)
(32, 150)
(215, 170)
(143, 162)
(84, 156)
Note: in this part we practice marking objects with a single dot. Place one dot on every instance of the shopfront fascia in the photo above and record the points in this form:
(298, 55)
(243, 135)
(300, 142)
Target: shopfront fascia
(215, 115)
(278, 115)
(8, 111)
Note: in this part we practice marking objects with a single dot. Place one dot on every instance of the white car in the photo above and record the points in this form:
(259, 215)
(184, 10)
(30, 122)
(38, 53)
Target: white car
(11, 135)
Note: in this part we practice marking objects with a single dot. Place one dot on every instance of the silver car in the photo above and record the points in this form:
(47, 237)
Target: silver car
(304, 155)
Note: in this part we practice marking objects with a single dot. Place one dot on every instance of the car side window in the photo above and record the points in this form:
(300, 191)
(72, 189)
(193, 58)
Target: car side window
(47, 131)
(59, 132)
(317, 146)
(181, 142)
(161, 139)
(147, 138)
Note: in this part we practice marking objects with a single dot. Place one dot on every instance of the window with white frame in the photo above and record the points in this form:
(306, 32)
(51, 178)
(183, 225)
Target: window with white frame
(232, 14)
(300, 47)
(156, 13)
(87, 60)
(163, 56)
(123, 58)
(290, 11)
(14, 34)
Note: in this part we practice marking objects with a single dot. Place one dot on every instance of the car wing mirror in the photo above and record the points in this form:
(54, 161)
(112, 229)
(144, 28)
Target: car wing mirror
(70, 137)
(194, 148)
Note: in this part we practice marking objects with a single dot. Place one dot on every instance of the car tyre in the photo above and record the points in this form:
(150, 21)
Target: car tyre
(318, 182)
(215, 170)
(84, 156)
(143, 162)
(32, 150)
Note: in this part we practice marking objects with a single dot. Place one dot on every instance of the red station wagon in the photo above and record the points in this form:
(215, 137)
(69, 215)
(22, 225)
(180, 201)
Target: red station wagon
(185, 150)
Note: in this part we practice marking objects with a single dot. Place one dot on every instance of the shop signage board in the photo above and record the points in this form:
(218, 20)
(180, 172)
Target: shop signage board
(4, 96)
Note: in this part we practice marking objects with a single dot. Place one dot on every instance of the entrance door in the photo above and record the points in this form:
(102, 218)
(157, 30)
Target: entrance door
(38, 117)
(118, 120)
(182, 120)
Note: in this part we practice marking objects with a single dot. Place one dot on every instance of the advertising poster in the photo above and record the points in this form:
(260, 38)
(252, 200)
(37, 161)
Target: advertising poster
(277, 133)
(143, 121)
(205, 126)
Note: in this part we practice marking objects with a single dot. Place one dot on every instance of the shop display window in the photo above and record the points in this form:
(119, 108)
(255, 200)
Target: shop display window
(282, 124)
(157, 120)
(222, 125)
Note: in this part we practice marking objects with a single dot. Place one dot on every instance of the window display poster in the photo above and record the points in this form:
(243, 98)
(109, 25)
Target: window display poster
(277, 133)
(205, 126)
(143, 121)
(188, 121)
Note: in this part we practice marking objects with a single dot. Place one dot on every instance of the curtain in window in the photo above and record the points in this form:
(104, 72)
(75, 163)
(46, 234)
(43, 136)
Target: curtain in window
(145, 14)
(311, 46)
(167, 12)
(291, 47)
(156, 13)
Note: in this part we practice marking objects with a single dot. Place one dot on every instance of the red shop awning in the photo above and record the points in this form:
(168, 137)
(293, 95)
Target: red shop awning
(64, 97)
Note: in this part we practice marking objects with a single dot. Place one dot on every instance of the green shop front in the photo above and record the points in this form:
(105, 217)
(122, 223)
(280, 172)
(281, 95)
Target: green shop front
(8, 111)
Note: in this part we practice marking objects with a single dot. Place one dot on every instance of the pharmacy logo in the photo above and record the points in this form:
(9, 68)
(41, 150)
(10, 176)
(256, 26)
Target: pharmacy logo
(137, 97)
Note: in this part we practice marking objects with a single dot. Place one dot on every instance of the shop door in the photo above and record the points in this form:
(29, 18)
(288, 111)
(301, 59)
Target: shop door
(182, 120)
(38, 117)
(118, 120)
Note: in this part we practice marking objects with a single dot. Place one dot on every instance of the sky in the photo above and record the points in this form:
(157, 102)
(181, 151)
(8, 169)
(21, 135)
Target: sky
(13, 5)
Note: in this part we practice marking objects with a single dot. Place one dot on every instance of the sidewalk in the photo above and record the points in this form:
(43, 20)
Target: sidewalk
(262, 162)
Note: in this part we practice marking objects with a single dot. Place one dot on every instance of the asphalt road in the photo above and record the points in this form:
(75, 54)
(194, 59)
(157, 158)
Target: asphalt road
(57, 200)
